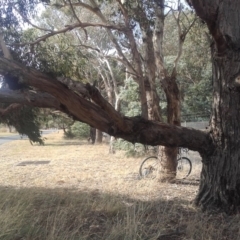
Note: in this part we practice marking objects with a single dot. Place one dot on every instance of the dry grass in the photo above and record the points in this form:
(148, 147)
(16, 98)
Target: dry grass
(85, 193)
(7, 133)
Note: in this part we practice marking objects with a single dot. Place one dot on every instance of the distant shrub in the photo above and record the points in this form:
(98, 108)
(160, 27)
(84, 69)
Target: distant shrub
(132, 150)
(80, 130)
(68, 134)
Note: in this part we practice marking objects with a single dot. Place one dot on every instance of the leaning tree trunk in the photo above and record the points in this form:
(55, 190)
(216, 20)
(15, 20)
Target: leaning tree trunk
(220, 177)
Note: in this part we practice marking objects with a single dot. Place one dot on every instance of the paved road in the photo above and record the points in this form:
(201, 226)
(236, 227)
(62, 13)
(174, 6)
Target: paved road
(5, 139)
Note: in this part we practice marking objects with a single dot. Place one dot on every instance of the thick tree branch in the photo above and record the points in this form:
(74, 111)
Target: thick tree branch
(101, 114)
(107, 107)
(31, 98)
(75, 86)
(9, 109)
(77, 106)
(157, 133)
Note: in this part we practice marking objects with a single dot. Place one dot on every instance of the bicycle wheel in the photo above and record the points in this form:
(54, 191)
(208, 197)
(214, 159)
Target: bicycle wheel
(184, 167)
(149, 167)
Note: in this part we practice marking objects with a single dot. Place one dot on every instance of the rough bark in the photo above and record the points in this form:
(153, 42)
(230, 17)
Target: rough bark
(169, 155)
(220, 177)
(154, 112)
(9, 109)
(31, 98)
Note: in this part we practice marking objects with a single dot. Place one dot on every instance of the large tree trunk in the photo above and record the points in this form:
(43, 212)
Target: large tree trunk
(220, 177)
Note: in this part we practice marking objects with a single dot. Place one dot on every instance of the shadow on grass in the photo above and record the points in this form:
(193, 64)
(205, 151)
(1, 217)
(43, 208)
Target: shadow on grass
(193, 182)
(66, 143)
(25, 163)
(39, 213)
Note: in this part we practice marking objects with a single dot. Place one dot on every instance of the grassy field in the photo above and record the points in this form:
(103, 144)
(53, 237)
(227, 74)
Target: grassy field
(70, 189)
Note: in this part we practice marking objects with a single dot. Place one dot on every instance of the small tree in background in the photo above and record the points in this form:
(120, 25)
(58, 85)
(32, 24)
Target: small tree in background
(80, 130)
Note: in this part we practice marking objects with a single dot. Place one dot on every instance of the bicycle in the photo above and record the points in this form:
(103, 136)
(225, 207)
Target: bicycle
(150, 166)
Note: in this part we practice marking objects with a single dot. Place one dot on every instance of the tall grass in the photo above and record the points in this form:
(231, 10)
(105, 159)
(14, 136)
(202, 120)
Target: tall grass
(85, 193)
(63, 214)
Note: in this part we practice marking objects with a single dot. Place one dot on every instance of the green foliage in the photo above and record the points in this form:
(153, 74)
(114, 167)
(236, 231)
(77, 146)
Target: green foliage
(197, 105)
(57, 56)
(194, 68)
(12, 24)
(80, 130)
(25, 122)
(195, 76)
(53, 119)
(68, 134)
(130, 98)
(132, 150)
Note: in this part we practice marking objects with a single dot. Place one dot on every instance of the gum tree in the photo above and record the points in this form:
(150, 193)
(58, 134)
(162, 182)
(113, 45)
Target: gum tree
(220, 178)
(219, 147)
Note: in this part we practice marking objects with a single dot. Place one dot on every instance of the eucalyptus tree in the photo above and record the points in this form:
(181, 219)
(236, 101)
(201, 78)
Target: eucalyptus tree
(219, 147)
(194, 68)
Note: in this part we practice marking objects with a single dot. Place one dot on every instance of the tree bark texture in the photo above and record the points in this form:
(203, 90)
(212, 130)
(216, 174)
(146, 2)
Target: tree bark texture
(220, 177)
